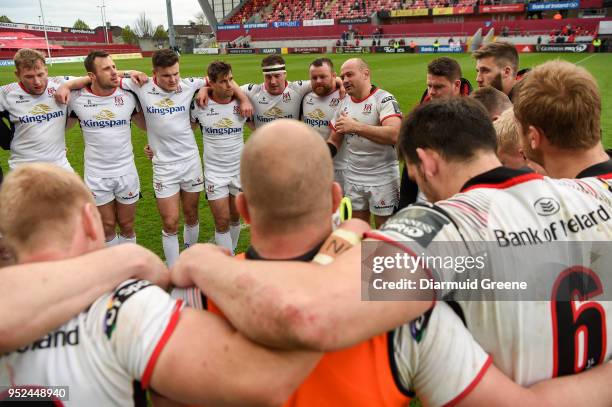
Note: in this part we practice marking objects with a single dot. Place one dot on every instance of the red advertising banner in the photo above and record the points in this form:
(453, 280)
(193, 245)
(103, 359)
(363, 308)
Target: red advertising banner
(503, 8)
(463, 10)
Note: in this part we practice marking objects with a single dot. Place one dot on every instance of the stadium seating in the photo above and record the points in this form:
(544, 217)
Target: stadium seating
(527, 27)
(78, 50)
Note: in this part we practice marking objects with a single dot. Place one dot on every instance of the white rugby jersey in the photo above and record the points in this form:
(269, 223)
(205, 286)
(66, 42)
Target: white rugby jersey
(317, 112)
(40, 123)
(526, 218)
(167, 116)
(105, 123)
(434, 356)
(223, 133)
(368, 162)
(102, 351)
(267, 107)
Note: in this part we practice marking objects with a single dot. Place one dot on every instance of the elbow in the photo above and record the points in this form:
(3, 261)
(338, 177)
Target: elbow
(308, 325)
(394, 138)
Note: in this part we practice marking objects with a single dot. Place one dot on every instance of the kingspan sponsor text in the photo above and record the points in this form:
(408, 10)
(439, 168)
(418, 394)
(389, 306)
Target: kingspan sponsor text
(316, 122)
(222, 130)
(104, 123)
(165, 110)
(39, 118)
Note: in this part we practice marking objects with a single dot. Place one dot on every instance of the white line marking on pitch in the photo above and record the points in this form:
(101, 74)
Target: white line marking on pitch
(584, 59)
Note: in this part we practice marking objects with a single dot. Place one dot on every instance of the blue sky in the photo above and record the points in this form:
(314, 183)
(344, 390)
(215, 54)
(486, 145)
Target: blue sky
(118, 12)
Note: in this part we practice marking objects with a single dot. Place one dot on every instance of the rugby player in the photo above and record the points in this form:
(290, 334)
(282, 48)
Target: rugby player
(497, 65)
(223, 130)
(177, 169)
(136, 332)
(105, 112)
(39, 122)
(476, 200)
(38, 297)
(559, 115)
(444, 80)
(368, 122)
(320, 105)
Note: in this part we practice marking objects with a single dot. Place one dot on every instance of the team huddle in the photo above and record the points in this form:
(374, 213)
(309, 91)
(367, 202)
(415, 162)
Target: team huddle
(516, 164)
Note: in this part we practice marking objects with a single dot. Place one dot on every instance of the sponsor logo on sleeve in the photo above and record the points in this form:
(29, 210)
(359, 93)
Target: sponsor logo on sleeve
(417, 223)
(120, 296)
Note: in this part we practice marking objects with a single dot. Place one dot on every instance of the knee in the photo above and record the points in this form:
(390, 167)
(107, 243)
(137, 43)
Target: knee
(222, 225)
(170, 223)
(191, 215)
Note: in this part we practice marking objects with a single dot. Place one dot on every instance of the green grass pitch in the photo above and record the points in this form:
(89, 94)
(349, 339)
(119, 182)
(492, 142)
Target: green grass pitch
(402, 75)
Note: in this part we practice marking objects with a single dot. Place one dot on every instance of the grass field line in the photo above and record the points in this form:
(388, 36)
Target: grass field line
(584, 59)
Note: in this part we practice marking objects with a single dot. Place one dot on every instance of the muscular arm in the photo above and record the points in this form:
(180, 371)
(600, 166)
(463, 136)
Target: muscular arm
(386, 133)
(207, 362)
(290, 304)
(36, 298)
(246, 108)
(585, 389)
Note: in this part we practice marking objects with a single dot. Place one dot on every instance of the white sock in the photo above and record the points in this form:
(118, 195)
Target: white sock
(113, 242)
(235, 232)
(123, 239)
(191, 234)
(170, 244)
(224, 240)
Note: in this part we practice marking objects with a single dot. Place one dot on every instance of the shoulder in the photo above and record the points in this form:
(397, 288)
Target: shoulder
(422, 223)
(382, 96)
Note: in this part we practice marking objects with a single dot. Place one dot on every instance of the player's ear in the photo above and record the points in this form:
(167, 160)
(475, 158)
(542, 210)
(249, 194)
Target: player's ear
(243, 207)
(507, 71)
(535, 137)
(429, 161)
(336, 191)
(92, 225)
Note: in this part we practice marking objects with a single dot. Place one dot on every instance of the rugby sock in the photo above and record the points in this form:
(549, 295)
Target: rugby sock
(191, 234)
(235, 232)
(171, 247)
(123, 239)
(224, 240)
(113, 242)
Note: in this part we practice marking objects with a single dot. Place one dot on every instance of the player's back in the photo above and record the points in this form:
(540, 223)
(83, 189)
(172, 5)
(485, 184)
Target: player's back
(552, 235)
(102, 351)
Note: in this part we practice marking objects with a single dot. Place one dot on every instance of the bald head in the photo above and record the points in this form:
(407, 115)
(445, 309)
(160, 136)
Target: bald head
(355, 75)
(287, 177)
(356, 63)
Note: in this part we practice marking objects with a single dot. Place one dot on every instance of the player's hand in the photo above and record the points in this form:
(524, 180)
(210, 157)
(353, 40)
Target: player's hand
(140, 263)
(202, 96)
(346, 124)
(148, 152)
(139, 77)
(246, 108)
(196, 259)
(62, 95)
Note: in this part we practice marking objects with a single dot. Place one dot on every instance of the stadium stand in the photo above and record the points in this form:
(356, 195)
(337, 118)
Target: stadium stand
(430, 29)
(63, 42)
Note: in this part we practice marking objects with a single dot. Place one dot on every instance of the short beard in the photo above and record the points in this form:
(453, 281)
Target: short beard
(497, 83)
